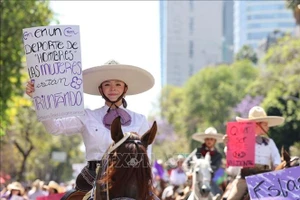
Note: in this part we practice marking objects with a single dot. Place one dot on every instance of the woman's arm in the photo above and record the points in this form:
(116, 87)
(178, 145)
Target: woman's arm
(67, 126)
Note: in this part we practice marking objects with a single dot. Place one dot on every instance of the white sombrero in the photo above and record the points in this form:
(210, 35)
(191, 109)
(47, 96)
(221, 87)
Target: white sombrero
(210, 132)
(54, 185)
(258, 114)
(137, 79)
(16, 186)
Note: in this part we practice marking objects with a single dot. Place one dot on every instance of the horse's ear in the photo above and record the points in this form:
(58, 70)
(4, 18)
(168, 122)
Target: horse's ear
(149, 136)
(116, 130)
(284, 155)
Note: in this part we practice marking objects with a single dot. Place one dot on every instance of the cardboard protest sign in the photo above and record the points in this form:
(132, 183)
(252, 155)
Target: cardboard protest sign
(53, 55)
(281, 184)
(241, 144)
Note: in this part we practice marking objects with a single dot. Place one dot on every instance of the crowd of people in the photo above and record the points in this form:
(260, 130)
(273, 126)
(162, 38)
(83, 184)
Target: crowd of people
(266, 155)
(113, 81)
(37, 190)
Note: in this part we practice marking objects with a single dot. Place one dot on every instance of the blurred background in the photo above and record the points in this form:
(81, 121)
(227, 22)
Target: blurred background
(212, 61)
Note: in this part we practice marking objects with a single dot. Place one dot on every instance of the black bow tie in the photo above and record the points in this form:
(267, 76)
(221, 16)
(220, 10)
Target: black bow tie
(260, 140)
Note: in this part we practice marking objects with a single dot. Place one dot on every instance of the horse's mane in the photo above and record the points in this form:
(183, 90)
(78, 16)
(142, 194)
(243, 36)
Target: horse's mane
(129, 170)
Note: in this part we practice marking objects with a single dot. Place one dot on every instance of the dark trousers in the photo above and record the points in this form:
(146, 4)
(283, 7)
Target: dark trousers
(85, 180)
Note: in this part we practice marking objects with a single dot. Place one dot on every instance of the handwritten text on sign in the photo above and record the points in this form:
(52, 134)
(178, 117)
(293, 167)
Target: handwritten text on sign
(241, 144)
(53, 57)
(281, 184)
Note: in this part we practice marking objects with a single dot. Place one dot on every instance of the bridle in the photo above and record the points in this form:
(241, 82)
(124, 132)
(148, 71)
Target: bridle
(112, 148)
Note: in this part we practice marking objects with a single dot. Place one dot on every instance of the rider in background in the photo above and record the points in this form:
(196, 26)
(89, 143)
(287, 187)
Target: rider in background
(267, 156)
(112, 81)
(209, 139)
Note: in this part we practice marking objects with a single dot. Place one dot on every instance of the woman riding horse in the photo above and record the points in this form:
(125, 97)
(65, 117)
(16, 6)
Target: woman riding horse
(127, 173)
(112, 81)
(267, 156)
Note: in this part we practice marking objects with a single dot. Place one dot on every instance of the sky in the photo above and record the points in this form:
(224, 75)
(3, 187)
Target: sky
(126, 31)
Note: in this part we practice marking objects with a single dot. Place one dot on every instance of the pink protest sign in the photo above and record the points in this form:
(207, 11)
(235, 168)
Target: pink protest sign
(280, 185)
(241, 144)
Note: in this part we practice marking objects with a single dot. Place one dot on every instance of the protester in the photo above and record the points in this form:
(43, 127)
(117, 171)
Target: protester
(112, 81)
(15, 191)
(36, 190)
(178, 176)
(209, 139)
(267, 156)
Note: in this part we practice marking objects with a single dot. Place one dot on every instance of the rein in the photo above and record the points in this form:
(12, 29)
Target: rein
(105, 157)
(111, 149)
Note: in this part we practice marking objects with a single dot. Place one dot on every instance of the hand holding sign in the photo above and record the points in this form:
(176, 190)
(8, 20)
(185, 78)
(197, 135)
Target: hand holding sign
(54, 63)
(241, 144)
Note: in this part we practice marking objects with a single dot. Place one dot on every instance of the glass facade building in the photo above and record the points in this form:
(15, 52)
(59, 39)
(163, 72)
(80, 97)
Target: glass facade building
(255, 20)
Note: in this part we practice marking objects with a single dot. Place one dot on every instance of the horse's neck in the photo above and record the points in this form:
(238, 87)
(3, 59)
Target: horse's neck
(196, 191)
(195, 196)
(128, 190)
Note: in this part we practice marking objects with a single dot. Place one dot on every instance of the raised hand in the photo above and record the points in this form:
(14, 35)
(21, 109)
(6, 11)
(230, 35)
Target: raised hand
(30, 88)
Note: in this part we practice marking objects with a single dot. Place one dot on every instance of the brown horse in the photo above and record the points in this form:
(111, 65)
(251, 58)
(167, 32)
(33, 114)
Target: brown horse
(127, 173)
(286, 162)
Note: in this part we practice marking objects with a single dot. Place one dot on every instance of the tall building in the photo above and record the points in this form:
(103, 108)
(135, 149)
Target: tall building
(255, 20)
(192, 37)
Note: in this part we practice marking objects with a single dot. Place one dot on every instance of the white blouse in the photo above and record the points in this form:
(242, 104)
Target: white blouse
(267, 154)
(96, 136)
(177, 178)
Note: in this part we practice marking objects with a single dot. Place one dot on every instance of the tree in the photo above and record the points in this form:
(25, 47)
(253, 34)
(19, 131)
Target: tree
(242, 109)
(26, 148)
(170, 138)
(16, 15)
(247, 52)
(279, 84)
(294, 5)
(211, 94)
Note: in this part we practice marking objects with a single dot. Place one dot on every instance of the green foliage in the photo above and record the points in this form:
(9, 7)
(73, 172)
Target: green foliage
(211, 94)
(207, 98)
(292, 4)
(279, 83)
(16, 15)
(246, 52)
(28, 146)
(170, 101)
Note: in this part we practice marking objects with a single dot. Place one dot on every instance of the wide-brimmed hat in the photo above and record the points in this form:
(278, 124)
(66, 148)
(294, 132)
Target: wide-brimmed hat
(53, 185)
(210, 132)
(16, 186)
(38, 184)
(137, 79)
(258, 114)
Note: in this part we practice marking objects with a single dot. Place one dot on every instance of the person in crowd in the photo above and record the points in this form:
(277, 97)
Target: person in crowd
(15, 191)
(209, 139)
(267, 156)
(36, 190)
(112, 81)
(178, 177)
(53, 188)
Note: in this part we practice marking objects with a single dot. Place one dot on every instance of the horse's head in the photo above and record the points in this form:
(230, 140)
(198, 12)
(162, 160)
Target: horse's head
(128, 170)
(202, 175)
